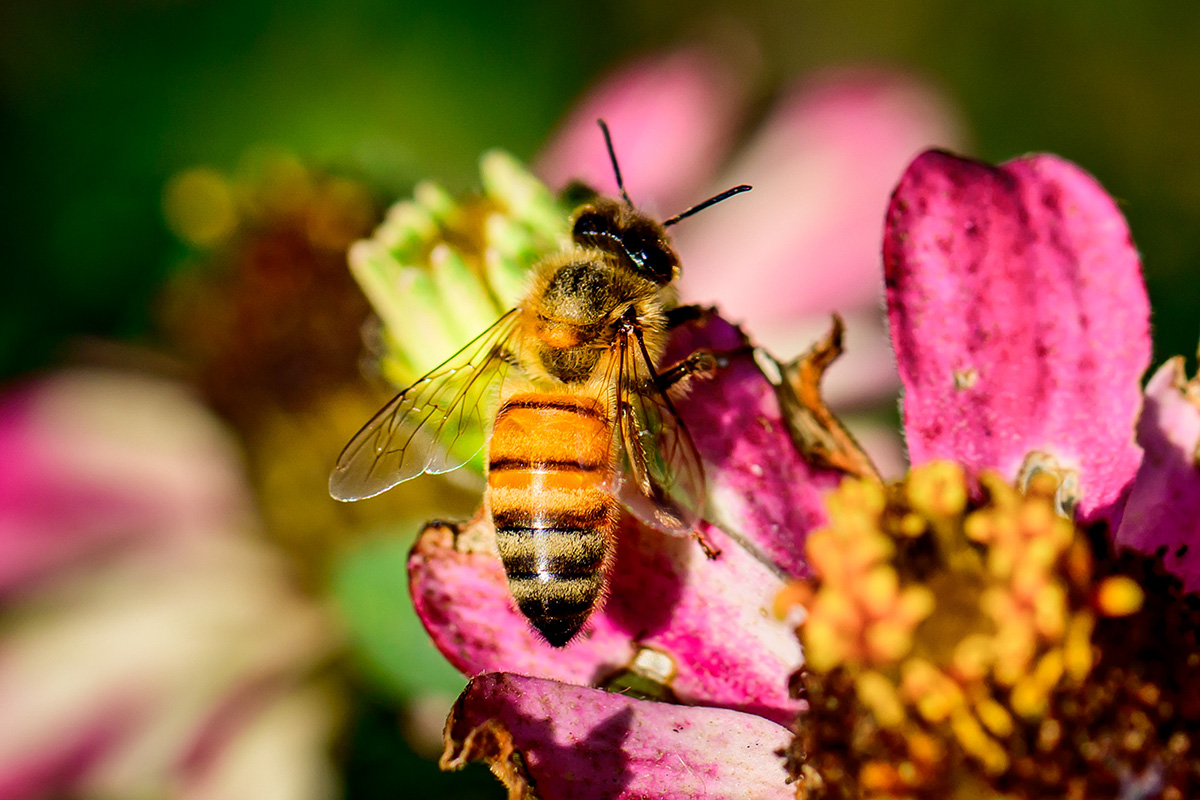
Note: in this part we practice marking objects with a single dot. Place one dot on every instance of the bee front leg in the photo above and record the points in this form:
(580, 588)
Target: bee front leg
(701, 363)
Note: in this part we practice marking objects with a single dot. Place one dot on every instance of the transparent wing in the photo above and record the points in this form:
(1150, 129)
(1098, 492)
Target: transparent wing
(662, 477)
(435, 425)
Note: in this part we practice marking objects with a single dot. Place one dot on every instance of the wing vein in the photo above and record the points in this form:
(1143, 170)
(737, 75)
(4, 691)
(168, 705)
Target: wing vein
(435, 425)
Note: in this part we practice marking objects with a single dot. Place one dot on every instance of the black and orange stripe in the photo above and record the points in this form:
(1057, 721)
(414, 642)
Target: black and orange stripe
(549, 472)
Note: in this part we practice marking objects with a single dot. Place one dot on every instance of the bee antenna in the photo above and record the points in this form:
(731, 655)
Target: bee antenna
(712, 201)
(612, 156)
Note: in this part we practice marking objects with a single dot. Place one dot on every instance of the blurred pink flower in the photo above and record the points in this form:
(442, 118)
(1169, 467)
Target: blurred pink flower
(1021, 327)
(151, 645)
(673, 118)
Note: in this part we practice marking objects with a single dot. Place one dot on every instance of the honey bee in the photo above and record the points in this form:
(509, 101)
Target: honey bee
(583, 423)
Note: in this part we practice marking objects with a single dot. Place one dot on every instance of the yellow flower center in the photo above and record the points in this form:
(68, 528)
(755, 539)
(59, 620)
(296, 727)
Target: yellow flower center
(964, 639)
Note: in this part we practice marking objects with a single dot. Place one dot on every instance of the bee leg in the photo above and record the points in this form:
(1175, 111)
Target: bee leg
(701, 363)
(711, 551)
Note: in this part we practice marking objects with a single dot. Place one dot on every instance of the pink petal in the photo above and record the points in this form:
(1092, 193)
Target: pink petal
(1163, 509)
(805, 241)
(460, 593)
(1019, 318)
(582, 743)
(710, 618)
(761, 489)
(671, 118)
(54, 771)
(89, 458)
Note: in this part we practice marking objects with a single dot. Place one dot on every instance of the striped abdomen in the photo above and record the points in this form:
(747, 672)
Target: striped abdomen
(549, 469)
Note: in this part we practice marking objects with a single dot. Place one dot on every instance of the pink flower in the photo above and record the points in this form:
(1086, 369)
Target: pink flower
(151, 645)
(982, 621)
(1020, 323)
(612, 745)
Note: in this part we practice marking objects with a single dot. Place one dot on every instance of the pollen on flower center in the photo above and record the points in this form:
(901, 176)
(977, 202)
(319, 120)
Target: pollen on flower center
(961, 646)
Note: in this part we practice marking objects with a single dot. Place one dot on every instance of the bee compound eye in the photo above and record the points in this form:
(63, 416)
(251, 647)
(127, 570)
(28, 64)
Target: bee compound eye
(658, 264)
(594, 229)
(652, 257)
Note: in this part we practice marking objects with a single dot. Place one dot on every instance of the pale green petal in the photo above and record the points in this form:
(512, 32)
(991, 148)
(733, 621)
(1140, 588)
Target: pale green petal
(439, 269)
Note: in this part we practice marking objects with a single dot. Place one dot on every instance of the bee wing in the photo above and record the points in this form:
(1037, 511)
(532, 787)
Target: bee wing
(662, 477)
(434, 426)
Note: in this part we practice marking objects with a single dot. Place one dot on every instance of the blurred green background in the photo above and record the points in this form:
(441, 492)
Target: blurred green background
(103, 102)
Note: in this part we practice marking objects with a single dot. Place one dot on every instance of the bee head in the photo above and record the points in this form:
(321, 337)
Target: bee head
(634, 239)
(637, 241)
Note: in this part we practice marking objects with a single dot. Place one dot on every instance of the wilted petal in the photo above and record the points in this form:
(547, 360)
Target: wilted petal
(582, 743)
(1019, 318)
(1163, 509)
(88, 458)
(671, 119)
(709, 618)
(865, 370)
(822, 168)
